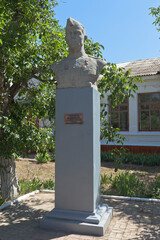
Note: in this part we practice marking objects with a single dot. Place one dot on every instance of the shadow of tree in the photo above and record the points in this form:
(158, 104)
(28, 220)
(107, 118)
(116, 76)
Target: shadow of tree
(21, 220)
(141, 217)
(129, 166)
(143, 172)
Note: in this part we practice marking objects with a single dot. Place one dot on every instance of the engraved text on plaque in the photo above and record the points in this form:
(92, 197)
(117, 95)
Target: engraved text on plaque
(73, 118)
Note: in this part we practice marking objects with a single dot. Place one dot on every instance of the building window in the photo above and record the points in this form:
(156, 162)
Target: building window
(149, 111)
(119, 115)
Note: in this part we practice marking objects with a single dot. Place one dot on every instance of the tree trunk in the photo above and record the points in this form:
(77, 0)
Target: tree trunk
(9, 181)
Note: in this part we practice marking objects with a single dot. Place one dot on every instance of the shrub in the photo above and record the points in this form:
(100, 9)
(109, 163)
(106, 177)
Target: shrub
(152, 160)
(108, 156)
(104, 179)
(52, 157)
(154, 188)
(127, 184)
(43, 157)
(119, 156)
(35, 184)
(29, 186)
(48, 184)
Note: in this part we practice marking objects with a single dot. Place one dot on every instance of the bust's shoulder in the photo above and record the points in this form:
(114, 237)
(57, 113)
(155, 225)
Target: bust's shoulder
(59, 64)
(100, 61)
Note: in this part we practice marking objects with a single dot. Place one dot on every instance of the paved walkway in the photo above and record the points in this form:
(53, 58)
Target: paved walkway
(131, 220)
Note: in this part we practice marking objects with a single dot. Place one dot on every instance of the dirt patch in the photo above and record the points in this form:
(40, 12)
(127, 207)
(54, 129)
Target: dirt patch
(29, 169)
(145, 173)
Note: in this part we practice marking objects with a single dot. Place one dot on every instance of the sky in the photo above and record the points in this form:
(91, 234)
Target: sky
(123, 27)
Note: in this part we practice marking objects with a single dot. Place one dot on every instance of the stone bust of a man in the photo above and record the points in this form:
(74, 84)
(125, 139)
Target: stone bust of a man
(78, 69)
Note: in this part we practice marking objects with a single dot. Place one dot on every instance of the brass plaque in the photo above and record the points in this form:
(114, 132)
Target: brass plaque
(73, 118)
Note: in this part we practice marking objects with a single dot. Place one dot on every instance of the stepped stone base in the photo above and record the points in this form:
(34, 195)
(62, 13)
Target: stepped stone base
(78, 222)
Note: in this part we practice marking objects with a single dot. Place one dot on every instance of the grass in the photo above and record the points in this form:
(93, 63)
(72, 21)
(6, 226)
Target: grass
(129, 184)
(122, 184)
(27, 186)
(131, 178)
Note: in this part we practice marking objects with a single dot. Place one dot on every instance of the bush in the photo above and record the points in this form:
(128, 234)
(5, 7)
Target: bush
(29, 186)
(52, 157)
(154, 188)
(108, 156)
(124, 157)
(35, 184)
(127, 184)
(48, 184)
(43, 157)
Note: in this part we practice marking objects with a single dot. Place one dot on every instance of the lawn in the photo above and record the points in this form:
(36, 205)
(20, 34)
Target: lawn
(29, 169)
(129, 179)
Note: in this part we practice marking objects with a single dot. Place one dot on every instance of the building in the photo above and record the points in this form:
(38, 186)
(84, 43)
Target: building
(139, 118)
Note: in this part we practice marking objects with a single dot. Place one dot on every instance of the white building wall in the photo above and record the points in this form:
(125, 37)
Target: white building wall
(134, 137)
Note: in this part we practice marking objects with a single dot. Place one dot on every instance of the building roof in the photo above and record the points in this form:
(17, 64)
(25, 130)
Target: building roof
(141, 68)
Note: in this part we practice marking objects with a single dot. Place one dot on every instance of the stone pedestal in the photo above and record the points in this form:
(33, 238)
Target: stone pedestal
(77, 165)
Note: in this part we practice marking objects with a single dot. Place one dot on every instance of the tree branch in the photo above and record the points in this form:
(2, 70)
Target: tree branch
(14, 89)
(41, 80)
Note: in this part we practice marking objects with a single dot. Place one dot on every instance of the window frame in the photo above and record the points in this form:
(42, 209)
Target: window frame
(139, 112)
(119, 111)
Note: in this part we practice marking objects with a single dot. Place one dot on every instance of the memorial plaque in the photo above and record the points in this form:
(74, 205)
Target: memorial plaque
(73, 118)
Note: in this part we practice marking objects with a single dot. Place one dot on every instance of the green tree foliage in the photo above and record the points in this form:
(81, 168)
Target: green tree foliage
(31, 39)
(115, 81)
(155, 12)
(118, 83)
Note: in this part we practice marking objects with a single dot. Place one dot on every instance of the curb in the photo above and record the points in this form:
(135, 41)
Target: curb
(47, 191)
(102, 196)
(130, 198)
(18, 199)
(24, 197)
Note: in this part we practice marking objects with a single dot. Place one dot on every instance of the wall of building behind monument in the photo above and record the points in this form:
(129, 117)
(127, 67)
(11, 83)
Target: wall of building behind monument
(136, 140)
(141, 136)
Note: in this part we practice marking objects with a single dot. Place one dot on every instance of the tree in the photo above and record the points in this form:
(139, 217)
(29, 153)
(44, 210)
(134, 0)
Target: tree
(31, 40)
(119, 83)
(155, 12)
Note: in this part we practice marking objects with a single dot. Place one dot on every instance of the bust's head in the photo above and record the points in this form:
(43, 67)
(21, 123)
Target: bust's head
(75, 34)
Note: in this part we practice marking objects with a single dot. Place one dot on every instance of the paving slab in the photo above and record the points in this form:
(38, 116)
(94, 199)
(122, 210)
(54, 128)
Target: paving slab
(131, 220)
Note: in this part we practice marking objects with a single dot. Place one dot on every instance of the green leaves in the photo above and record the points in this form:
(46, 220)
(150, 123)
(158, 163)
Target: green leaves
(31, 40)
(116, 84)
(155, 12)
(93, 49)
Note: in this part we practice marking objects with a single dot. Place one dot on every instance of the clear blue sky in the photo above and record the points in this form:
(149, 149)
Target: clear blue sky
(123, 27)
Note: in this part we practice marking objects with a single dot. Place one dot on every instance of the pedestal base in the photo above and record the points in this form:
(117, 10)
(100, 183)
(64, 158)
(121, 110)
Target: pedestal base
(78, 222)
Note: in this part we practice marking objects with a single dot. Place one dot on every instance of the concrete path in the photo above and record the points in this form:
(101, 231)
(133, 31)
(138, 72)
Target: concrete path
(131, 220)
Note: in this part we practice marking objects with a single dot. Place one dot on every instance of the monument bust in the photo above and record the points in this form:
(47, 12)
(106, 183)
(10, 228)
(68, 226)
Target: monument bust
(78, 69)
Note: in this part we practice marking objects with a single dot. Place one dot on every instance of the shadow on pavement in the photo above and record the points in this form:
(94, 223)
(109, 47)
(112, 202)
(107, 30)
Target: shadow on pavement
(21, 221)
(143, 217)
